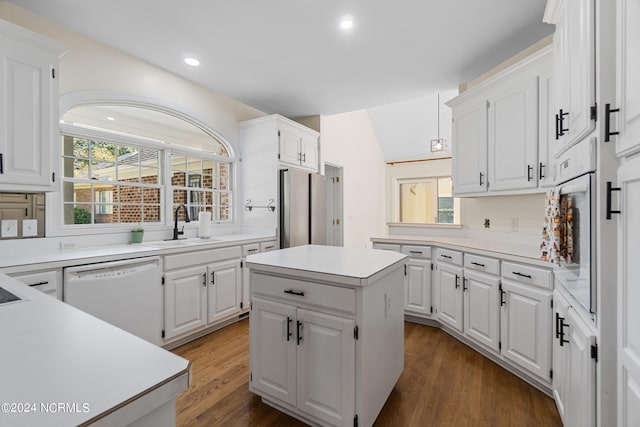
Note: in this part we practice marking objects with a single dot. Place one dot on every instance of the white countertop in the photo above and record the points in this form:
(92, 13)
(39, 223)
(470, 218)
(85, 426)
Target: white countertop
(52, 353)
(356, 263)
(506, 250)
(85, 255)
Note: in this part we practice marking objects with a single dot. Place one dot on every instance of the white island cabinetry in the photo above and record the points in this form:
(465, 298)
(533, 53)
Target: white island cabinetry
(317, 315)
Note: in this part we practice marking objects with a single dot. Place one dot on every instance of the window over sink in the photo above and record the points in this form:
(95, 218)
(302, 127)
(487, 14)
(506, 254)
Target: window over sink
(427, 201)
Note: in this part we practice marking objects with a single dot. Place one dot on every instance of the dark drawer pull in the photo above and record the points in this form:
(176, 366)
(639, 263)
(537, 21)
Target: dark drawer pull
(269, 247)
(521, 275)
(445, 256)
(292, 292)
(477, 263)
(416, 252)
(252, 250)
(39, 284)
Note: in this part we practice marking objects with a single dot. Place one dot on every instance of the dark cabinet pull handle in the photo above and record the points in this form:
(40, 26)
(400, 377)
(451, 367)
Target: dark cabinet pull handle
(607, 122)
(521, 275)
(562, 326)
(502, 301)
(562, 129)
(464, 284)
(292, 292)
(481, 179)
(540, 170)
(477, 263)
(298, 331)
(416, 252)
(610, 189)
(304, 157)
(457, 284)
(213, 277)
(289, 333)
(269, 247)
(1, 163)
(529, 170)
(445, 256)
(39, 284)
(557, 127)
(557, 325)
(252, 250)
(204, 279)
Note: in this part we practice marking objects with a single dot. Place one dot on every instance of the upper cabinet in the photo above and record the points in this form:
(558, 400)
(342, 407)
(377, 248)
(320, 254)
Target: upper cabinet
(28, 109)
(298, 147)
(573, 69)
(500, 134)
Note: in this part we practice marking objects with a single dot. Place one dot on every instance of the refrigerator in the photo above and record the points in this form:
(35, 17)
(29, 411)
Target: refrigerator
(303, 214)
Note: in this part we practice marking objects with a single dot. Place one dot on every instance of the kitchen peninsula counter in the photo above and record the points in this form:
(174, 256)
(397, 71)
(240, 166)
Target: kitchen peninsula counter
(64, 367)
(327, 331)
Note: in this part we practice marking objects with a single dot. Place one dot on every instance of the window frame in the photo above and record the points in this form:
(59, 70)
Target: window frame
(397, 194)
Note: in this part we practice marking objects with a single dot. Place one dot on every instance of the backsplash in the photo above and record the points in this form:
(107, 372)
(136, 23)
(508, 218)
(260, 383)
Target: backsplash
(22, 215)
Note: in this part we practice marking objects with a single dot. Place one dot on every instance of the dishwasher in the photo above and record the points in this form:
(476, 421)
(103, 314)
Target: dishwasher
(127, 294)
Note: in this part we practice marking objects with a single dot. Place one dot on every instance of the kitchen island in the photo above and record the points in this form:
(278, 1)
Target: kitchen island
(63, 367)
(327, 331)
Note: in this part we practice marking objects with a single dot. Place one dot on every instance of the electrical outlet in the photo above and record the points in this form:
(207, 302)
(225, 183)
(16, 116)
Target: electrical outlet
(487, 223)
(514, 224)
(29, 227)
(9, 228)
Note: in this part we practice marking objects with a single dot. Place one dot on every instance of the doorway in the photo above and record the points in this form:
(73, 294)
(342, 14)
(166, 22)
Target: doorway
(335, 231)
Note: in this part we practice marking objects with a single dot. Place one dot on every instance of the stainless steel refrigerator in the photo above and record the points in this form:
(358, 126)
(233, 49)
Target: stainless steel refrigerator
(303, 212)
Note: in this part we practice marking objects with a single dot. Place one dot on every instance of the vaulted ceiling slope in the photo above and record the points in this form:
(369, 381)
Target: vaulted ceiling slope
(291, 57)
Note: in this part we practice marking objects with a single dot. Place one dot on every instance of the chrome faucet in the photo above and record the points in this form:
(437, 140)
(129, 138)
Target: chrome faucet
(177, 232)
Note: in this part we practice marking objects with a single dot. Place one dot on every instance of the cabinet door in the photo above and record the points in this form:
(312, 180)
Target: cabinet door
(418, 286)
(628, 81)
(526, 327)
(309, 150)
(481, 309)
(185, 300)
(513, 136)
(470, 147)
(224, 293)
(629, 295)
(581, 396)
(450, 295)
(246, 287)
(560, 354)
(289, 147)
(326, 367)
(273, 349)
(27, 114)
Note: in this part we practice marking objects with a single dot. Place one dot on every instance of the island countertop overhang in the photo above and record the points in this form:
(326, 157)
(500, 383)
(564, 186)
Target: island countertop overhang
(350, 266)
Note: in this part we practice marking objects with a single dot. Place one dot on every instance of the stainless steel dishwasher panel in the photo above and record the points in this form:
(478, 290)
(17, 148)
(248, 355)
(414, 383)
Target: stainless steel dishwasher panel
(126, 294)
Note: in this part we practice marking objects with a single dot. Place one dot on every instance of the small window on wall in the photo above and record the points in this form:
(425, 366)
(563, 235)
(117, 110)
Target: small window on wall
(427, 201)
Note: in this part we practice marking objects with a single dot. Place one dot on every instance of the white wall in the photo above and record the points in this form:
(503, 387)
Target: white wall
(349, 141)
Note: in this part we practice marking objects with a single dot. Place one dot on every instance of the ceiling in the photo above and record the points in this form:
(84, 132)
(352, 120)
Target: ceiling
(291, 57)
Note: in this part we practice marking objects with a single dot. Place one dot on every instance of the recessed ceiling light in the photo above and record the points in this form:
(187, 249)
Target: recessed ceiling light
(346, 23)
(192, 61)
(110, 118)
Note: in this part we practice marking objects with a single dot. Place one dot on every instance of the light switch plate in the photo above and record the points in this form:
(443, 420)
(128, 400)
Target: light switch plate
(9, 228)
(29, 227)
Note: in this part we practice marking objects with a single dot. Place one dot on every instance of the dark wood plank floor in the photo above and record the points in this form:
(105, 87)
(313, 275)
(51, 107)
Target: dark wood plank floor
(444, 383)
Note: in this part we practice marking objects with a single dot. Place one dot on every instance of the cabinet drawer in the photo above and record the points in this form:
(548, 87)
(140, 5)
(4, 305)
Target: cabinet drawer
(45, 281)
(250, 249)
(449, 256)
(268, 246)
(386, 247)
(206, 256)
(417, 251)
(528, 274)
(308, 293)
(480, 263)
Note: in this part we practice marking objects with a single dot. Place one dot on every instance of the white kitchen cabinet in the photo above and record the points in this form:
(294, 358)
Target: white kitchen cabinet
(628, 292)
(224, 290)
(49, 281)
(513, 135)
(573, 68)
(202, 288)
(561, 359)
(250, 249)
(449, 289)
(185, 300)
(298, 146)
(481, 308)
(28, 109)
(418, 286)
(546, 128)
(580, 410)
(526, 327)
(470, 147)
(627, 120)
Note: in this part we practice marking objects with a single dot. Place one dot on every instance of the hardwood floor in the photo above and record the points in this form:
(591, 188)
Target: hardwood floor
(444, 383)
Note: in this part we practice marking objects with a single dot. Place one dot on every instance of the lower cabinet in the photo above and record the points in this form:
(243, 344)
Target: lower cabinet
(202, 294)
(481, 309)
(574, 366)
(526, 327)
(49, 282)
(418, 286)
(449, 295)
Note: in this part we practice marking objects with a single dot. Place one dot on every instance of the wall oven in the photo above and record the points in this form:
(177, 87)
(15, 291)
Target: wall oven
(576, 271)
